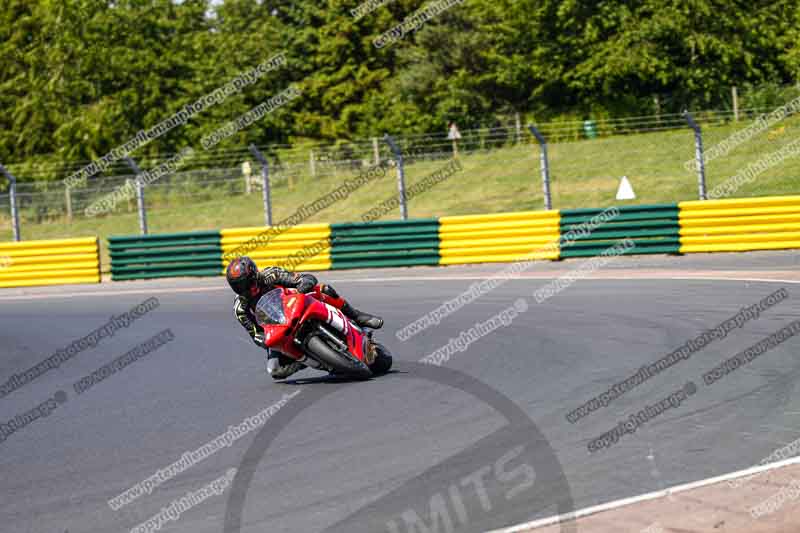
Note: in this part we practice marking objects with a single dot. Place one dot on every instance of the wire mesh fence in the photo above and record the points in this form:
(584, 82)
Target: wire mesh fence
(500, 172)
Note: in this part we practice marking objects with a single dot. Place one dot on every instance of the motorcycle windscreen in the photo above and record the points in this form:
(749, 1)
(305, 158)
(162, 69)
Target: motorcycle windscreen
(269, 309)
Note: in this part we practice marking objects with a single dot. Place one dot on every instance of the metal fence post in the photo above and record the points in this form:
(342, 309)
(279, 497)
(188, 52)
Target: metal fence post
(545, 166)
(265, 185)
(139, 196)
(401, 175)
(12, 198)
(698, 155)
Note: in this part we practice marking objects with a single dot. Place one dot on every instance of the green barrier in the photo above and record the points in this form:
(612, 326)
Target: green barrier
(166, 255)
(385, 244)
(653, 229)
(638, 214)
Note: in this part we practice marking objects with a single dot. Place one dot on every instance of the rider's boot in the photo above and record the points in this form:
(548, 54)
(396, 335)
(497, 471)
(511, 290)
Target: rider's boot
(365, 320)
(282, 369)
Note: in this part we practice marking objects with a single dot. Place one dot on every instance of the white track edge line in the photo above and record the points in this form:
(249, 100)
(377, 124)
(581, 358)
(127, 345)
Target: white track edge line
(616, 504)
(110, 293)
(557, 274)
(384, 280)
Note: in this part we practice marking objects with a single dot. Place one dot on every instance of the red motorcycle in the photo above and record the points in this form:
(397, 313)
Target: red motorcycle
(307, 329)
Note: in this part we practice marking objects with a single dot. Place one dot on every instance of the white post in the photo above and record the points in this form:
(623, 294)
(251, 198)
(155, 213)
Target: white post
(247, 173)
(454, 135)
(140, 204)
(68, 198)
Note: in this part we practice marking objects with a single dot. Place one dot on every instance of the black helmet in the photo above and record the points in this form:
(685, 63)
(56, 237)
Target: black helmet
(242, 275)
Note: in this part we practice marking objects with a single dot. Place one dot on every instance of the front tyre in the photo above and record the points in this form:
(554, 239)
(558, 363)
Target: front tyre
(335, 360)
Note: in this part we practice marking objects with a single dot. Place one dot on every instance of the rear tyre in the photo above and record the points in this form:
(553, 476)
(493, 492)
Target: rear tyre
(383, 362)
(339, 363)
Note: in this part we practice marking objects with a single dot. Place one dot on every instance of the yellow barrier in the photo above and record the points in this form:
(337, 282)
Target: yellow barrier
(501, 237)
(740, 224)
(54, 262)
(301, 247)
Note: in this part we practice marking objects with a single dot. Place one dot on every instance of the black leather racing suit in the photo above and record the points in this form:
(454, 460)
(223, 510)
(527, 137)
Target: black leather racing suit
(278, 365)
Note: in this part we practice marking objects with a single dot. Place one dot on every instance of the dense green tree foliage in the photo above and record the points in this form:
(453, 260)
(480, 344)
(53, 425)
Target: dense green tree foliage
(80, 77)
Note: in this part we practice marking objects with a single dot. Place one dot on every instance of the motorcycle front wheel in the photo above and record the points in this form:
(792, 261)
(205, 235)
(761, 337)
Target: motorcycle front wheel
(335, 360)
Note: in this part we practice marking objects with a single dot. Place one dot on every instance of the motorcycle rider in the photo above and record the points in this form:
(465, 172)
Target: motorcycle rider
(250, 284)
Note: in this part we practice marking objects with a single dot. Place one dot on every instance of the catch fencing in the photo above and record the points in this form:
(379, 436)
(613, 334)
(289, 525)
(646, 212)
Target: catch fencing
(585, 160)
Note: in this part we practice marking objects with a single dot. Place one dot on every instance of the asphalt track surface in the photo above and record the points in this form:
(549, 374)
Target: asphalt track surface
(378, 455)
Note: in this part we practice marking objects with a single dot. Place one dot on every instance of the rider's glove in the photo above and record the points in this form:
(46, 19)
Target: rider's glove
(260, 339)
(304, 284)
